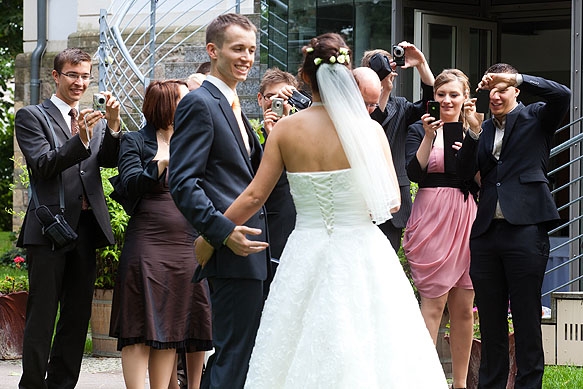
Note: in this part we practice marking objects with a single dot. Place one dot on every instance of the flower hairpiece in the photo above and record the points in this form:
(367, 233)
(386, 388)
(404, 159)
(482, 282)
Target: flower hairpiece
(342, 57)
(309, 49)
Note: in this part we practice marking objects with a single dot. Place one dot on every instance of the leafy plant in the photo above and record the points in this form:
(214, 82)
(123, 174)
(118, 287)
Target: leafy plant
(108, 257)
(12, 280)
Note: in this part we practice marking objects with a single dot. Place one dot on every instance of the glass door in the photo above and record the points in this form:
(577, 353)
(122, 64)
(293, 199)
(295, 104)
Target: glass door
(465, 44)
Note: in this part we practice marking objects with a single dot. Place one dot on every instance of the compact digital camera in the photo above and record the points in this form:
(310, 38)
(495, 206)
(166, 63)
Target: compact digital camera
(399, 55)
(277, 106)
(99, 102)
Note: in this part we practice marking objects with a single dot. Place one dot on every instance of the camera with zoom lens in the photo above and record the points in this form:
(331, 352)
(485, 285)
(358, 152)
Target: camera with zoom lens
(399, 55)
(299, 101)
(380, 64)
(99, 102)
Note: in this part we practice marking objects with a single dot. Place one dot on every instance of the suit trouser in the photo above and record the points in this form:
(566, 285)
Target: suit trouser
(64, 278)
(236, 312)
(393, 234)
(508, 263)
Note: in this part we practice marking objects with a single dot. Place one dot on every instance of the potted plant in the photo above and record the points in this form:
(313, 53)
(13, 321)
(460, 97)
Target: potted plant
(107, 262)
(476, 353)
(13, 297)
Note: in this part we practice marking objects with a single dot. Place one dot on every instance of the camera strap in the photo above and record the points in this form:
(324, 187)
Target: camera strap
(59, 178)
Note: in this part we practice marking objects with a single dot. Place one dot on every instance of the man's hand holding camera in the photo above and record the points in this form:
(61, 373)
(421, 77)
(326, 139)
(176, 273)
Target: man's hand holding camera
(89, 117)
(279, 107)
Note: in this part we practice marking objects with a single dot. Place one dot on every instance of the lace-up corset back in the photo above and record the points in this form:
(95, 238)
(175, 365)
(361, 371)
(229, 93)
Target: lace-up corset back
(327, 200)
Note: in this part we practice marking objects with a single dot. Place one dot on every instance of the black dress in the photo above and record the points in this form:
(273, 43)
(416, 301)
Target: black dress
(155, 301)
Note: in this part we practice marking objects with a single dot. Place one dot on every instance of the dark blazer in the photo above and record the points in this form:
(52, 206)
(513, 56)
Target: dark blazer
(398, 115)
(209, 168)
(281, 214)
(79, 168)
(137, 169)
(519, 178)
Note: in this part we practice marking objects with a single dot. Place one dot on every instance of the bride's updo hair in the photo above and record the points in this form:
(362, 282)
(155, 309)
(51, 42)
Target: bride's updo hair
(326, 48)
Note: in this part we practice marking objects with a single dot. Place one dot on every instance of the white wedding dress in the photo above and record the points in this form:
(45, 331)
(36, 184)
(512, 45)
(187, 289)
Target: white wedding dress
(341, 312)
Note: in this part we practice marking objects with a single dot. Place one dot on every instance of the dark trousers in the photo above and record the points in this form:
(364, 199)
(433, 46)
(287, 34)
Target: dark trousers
(236, 311)
(508, 263)
(64, 278)
(393, 234)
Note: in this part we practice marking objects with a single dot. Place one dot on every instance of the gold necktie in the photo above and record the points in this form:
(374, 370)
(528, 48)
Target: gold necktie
(237, 111)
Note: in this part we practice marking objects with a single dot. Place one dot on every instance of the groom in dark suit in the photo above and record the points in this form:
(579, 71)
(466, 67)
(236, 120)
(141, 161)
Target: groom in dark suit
(212, 160)
(63, 278)
(509, 241)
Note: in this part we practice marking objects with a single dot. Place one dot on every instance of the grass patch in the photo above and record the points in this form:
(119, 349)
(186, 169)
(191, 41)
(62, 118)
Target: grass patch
(5, 241)
(563, 377)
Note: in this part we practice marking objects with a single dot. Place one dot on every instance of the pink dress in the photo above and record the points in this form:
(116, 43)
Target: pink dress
(437, 237)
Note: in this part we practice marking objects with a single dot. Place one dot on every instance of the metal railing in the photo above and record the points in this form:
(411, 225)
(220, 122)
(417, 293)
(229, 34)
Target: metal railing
(138, 38)
(567, 158)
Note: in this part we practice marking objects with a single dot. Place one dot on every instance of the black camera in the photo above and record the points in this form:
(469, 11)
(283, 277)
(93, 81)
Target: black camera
(380, 64)
(399, 55)
(299, 101)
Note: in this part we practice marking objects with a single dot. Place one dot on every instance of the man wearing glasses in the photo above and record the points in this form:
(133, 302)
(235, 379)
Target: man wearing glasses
(395, 114)
(64, 147)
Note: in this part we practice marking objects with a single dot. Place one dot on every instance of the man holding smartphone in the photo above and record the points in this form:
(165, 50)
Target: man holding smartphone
(395, 114)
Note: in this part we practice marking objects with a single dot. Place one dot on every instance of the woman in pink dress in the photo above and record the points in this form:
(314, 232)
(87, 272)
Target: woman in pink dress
(436, 239)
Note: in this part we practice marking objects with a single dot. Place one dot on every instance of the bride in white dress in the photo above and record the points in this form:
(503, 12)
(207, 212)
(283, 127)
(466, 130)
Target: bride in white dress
(341, 312)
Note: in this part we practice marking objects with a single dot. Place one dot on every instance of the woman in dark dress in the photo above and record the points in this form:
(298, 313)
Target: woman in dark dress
(157, 310)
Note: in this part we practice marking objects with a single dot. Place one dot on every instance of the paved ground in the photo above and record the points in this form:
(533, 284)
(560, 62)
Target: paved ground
(96, 373)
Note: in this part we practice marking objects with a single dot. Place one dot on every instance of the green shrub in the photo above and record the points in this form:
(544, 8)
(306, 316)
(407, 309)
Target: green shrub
(108, 257)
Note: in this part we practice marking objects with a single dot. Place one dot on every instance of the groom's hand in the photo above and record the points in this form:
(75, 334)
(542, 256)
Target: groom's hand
(203, 251)
(240, 245)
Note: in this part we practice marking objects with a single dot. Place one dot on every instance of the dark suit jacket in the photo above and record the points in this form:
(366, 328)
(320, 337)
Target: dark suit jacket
(281, 214)
(398, 115)
(519, 178)
(79, 168)
(209, 167)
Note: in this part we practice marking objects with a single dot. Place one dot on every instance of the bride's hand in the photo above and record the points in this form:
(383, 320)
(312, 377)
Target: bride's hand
(203, 251)
(240, 245)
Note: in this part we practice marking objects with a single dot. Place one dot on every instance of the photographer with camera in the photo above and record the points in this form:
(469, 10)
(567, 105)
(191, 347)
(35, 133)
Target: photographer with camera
(64, 147)
(395, 114)
(275, 91)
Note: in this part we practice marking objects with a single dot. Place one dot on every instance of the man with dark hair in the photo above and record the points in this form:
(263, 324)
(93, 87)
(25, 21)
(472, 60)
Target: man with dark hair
(64, 149)
(395, 114)
(214, 155)
(509, 241)
(281, 212)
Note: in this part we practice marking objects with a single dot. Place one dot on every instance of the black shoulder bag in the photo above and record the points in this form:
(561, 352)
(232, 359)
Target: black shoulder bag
(54, 227)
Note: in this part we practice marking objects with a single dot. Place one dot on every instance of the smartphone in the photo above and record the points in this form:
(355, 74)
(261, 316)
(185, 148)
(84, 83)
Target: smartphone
(452, 132)
(433, 109)
(277, 106)
(483, 101)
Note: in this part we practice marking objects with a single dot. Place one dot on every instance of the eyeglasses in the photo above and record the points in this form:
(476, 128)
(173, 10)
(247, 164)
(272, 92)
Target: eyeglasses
(371, 105)
(75, 76)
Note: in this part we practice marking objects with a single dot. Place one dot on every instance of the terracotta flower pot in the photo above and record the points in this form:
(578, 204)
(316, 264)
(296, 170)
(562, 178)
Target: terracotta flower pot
(474, 368)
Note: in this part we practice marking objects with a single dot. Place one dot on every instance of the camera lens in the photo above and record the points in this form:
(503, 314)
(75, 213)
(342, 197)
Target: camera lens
(398, 51)
(101, 100)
